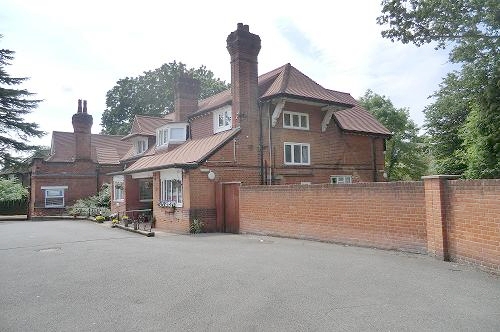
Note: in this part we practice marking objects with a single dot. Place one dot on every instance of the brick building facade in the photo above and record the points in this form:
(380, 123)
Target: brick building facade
(277, 128)
(77, 167)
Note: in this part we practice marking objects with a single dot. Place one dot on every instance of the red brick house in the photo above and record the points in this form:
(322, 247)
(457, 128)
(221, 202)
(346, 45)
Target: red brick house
(277, 128)
(78, 165)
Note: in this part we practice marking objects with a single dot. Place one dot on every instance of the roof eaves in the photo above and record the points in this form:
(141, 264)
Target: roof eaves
(157, 168)
(211, 108)
(322, 101)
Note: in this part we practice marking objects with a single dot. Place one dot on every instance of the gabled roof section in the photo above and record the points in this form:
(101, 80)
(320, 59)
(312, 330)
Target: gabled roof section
(106, 149)
(286, 81)
(145, 125)
(189, 154)
(293, 83)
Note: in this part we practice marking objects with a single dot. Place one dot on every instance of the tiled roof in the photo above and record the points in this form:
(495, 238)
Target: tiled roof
(357, 119)
(283, 81)
(146, 125)
(188, 154)
(106, 149)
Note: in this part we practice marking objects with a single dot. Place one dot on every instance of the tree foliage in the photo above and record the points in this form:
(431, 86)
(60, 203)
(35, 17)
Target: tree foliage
(14, 104)
(464, 120)
(405, 154)
(151, 94)
(12, 189)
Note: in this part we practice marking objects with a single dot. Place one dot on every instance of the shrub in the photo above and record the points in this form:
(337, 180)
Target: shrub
(100, 219)
(196, 226)
(94, 205)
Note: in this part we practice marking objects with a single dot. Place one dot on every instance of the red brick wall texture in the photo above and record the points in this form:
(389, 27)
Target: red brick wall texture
(452, 219)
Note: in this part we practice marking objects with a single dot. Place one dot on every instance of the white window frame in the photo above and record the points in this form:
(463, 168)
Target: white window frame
(298, 125)
(224, 113)
(141, 145)
(341, 179)
(118, 188)
(292, 150)
(164, 134)
(171, 186)
(49, 198)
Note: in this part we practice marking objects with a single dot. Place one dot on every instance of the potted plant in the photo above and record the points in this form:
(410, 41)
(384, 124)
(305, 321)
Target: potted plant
(99, 219)
(126, 220)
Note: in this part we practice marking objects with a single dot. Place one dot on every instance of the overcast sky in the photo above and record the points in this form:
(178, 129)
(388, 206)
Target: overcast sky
(78, 49)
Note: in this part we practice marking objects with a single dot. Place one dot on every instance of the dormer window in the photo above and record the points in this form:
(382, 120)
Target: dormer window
(141, 146)
(171, 133)
(222, 119)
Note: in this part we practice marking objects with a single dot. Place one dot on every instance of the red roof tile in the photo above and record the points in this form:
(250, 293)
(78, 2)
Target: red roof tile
(146, 125)
(357, 119)
(188, 154)
(106, 149)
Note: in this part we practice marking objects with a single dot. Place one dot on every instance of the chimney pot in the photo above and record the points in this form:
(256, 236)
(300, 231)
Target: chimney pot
(84, 106)
(79, 106)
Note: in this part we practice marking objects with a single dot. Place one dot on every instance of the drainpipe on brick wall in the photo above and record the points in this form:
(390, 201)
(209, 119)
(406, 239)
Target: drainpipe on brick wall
(270, 148)
(374, 159)
(261, 145)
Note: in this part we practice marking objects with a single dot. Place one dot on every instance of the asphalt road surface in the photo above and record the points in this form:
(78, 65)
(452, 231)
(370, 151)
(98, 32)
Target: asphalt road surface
(81, 276)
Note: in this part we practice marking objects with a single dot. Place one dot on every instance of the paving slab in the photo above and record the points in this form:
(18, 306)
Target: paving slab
(74, 275)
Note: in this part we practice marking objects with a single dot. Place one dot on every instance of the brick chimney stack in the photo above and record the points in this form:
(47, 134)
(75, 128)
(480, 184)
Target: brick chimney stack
(186, 94)
(244, 47)
(82, 125)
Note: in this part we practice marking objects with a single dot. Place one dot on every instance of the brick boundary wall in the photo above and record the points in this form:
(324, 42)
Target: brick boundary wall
(457, 220)
(473, 222)
(382, 215)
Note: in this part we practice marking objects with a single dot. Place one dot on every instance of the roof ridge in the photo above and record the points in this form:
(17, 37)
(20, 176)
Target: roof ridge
(286, 77)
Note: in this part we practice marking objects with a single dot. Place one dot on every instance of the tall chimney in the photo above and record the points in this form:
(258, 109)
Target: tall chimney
(82, 125)
(186, 94)
(244, 47)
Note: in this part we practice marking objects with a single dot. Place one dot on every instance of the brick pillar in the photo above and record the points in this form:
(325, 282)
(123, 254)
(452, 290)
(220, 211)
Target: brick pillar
(435, 211)
(82, 125)
(186, 93)
(244, 47)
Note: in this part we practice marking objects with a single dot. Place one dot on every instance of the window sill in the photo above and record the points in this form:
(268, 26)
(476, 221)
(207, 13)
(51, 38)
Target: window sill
(298, 128)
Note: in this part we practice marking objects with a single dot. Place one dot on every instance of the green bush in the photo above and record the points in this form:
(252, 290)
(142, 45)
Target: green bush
(94, 205)
(196, 226)
(100, 219)
(11, 190)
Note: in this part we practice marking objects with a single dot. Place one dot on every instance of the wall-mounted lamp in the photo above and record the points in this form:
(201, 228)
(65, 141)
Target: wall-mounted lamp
(211, 175)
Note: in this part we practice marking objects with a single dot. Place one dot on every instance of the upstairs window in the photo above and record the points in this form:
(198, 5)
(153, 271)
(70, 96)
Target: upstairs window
(54, 196)
(341, 179)
(294, 120)
(222, 119)
(141, 146)
(297, 153)
(171, 134)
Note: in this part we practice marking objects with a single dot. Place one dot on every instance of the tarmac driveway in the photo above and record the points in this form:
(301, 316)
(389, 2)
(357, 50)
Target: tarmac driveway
(81, 276)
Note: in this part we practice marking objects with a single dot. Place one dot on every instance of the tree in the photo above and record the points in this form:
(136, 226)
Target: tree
(405, 154)
(14, 104)
(151, 94)
(463, 121)
(12, 189)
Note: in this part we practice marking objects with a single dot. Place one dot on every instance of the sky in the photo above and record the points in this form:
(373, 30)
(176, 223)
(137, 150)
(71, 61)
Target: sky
(74, 50)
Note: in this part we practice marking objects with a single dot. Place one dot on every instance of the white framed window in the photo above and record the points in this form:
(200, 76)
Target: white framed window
(171, 186)
(146, 190)
(171, 133)
(141, 146)
(222, 119)
(118, 187)
(295, 120)
(54, 196)
(297, 153)
(340, 179)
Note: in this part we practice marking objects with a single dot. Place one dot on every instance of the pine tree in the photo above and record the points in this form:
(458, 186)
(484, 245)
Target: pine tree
(14, 104)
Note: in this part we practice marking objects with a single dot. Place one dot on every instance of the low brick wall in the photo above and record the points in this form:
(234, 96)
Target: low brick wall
(382, 215)
(453, 220)
(473, 222)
